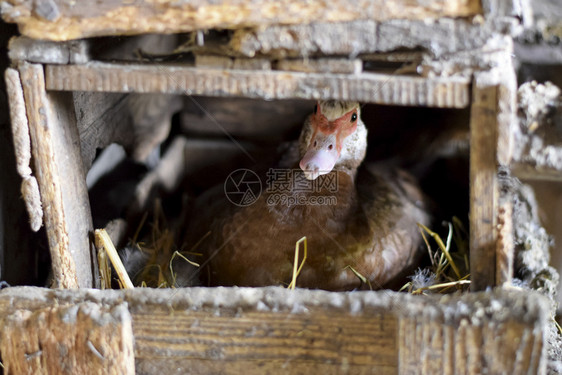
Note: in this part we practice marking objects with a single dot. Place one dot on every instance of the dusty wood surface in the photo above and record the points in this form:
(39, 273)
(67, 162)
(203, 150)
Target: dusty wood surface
(78, 338)
(46, 52)
(538, 149)
(438, 37)
(506, 122)
(22, 148)
(449, 92)
(61, 178)
(505, 245)
(225, 62)
(63, 20)
(327, 65)
(274, 330)
(483, 185)
(528, 171)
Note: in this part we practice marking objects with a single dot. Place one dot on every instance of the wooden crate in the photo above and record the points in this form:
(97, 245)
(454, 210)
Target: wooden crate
(232, 330)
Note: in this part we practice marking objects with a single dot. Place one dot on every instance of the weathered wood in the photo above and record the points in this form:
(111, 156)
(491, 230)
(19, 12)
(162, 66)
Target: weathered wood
(438, 37)
(61, 178)
(225, 62)
(483, 184)
(22, 149)
(529, 170)
(491, 126)
(505, 245)
(271, 121)
(327, 65)
(538, 150)
(100, 118)
(137, 122)
(65, 21)
(79, 338)
(431, 342)
(272, 330)
(450, 92)
(31, 50)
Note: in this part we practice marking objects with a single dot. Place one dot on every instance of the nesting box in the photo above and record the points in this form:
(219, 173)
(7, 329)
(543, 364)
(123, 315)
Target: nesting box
(65, 104)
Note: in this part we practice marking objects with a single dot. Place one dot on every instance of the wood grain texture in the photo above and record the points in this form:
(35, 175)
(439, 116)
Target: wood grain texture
(61, 178)
(505, 256)
(62, 20)
(81, 338)
(439, 37)
(483, 184)
(22, 148)
(275, 330)
(137, 122)
(451, 92)
(529, 170)
(46, 52)
(326, 65)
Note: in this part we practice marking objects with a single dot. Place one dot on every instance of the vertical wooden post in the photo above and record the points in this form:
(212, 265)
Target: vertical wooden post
(483, 184)
(60, 174)
(491, 237)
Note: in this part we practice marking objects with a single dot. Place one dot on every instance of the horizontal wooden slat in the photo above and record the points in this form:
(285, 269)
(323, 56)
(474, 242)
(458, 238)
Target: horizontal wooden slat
(275, 330)
(450, 92)
(531, 171)
(64, 20)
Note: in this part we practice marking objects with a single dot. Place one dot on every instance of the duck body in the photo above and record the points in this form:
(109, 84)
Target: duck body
(361, 219)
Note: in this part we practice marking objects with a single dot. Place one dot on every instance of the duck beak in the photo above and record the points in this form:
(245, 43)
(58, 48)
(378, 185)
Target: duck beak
(320, 157)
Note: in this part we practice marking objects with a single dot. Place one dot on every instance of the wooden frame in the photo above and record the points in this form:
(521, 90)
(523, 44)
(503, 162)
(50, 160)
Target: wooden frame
(230, 330)
(270, 330)
(489, 120)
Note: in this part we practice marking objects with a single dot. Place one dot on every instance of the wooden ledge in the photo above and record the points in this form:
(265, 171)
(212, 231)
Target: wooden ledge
(449, 92)
(60, 20)
(275, 330)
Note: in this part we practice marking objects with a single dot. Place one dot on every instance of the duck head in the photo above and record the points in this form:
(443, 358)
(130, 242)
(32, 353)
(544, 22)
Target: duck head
(332, 137)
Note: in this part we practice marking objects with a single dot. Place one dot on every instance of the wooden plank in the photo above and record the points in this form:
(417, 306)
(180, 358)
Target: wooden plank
(60, 20)
(31, 50)
(492, 127)
(440, 37)
(272, 330)
(435, 343)
(322, 65)
(254, 342)
(61, 178)
(450, 92)
(529, 170)
(484, 186)
(81, 338)
(22, 149)
(226, 62)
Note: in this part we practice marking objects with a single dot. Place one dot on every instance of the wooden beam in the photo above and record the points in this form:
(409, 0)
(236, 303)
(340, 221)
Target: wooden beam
(55, 148)
(62, 20)
(261, 330)
(483, 185)
(530, 170)
(450, 92)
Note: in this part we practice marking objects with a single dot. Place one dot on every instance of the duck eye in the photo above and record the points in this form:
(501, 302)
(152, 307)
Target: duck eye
(315, 108)
(353, 117)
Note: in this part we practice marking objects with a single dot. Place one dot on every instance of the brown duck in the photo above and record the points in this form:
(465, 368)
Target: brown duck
(355, 219)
